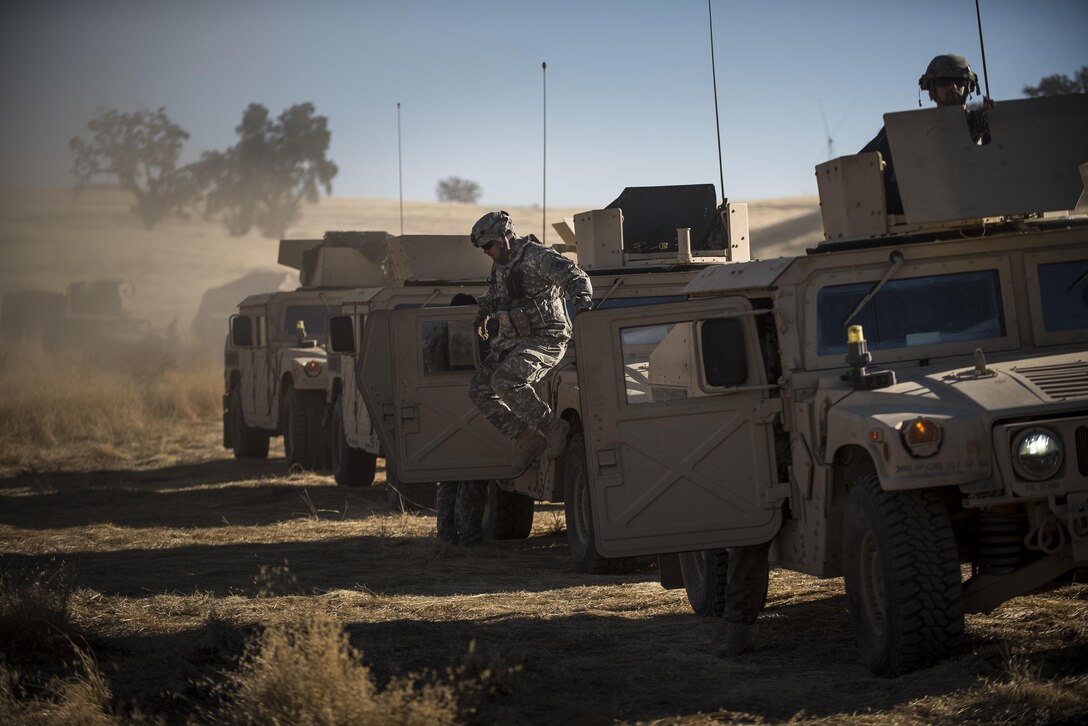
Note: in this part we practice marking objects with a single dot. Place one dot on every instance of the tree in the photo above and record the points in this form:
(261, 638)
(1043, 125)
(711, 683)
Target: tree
(263, 179)
(456, 189)
(141, 150)
(1060, 84)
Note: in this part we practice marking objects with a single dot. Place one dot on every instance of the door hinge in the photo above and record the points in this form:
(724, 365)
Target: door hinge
(766, 409)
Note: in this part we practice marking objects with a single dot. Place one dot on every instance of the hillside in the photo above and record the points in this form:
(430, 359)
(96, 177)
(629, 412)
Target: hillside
(49, 237)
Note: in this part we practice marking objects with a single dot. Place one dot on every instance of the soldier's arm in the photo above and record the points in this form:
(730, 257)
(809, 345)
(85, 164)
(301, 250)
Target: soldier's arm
(572, 279)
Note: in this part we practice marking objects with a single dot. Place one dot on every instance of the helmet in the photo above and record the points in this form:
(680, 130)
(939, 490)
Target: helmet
(492, 225)
(949, 66)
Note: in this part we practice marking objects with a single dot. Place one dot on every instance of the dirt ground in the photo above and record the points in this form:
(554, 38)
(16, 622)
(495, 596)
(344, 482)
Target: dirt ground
(176, 565)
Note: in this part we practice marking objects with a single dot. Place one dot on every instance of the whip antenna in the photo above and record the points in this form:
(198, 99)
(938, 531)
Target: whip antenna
(982, 46)
(544, 164)
(400, 173)
(717, 122)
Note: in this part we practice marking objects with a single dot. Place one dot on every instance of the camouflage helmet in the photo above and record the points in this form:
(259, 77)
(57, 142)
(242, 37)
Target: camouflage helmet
(492, 226)
(949, 66)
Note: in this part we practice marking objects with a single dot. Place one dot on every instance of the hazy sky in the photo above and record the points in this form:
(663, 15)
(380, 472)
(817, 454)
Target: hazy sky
(629, 91)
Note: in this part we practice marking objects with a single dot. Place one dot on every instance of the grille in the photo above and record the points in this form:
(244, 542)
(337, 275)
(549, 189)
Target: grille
(1059, 382)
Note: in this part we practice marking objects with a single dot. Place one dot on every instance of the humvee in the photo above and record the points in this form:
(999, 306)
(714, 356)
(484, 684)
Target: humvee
(420, 408)
(905, 406)
(275, 363)
(435, 269)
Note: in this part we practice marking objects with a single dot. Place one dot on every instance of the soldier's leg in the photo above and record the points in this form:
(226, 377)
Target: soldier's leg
(483, 395)
(515, 375)
(471, 498)
(446, 506)
(745, 587)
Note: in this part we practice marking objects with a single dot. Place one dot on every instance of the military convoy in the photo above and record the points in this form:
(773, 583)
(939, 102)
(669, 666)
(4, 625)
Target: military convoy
(905, 406)
(744, 406)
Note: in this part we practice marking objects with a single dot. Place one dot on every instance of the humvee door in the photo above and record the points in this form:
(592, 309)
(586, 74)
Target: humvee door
(423, 360)
(678, 423)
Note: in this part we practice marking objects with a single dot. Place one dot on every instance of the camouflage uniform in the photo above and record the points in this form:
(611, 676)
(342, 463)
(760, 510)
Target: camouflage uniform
(525, 296)
(746, 583)
(460, 506)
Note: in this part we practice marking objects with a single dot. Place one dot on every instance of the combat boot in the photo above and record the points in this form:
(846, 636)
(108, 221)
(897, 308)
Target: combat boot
(527, 447)
(555, 434)
(736, 638)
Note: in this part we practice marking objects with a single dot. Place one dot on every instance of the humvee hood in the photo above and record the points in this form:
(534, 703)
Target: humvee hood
(1006, 386)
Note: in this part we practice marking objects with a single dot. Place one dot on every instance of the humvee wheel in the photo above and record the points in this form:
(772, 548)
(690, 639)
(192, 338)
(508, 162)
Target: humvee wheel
(303, 443)
(902, 576)
(406, 497)
(246, 442)
(705, 575)
(507, 515)
(579, 515)
(350, 467)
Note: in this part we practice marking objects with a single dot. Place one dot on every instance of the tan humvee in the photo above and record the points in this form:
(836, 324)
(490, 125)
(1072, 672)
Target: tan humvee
(427, 265)
(422, 412)
(275, 364)
(753, 412)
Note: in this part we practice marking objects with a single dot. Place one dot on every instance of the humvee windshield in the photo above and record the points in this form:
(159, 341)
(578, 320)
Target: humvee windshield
(312, 316)
(1063, 287)
(927, 310)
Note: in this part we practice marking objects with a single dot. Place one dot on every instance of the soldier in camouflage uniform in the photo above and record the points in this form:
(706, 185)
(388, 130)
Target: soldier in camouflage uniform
(950, 82)
(460, 506)
(525, 297)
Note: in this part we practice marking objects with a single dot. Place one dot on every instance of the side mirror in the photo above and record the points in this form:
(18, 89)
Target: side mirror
(241, 331)
(341, 334)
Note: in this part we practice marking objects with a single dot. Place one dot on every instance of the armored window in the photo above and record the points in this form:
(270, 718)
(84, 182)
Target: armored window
(914, 311)
(447, 346)
(1063, 287)
(681, 360)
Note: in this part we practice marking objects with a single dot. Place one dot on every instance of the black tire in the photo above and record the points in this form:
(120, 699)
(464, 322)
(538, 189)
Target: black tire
(246, 442)
(706, 573)
(303, 437)
(350, 467)
(579, 514)
(507, 515)
(902, 573)
(706, 576)
(404, 497)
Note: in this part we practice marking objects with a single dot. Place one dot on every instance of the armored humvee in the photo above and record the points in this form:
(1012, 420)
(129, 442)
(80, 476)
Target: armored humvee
(275, 363)
(635, 256)
(905, 406)
(429, 266)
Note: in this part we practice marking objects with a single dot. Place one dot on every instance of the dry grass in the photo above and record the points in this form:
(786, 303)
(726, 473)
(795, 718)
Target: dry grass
(64, 408)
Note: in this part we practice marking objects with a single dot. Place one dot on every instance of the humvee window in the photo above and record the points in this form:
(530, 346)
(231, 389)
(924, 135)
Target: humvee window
(447, 346)
(914, 311)
(1063, 287)
(312, 316)
(660, 363)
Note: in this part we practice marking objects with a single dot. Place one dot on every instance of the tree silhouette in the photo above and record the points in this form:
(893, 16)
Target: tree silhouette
(1060, 84)
(456, 189)
(141, 150)
(263, 179)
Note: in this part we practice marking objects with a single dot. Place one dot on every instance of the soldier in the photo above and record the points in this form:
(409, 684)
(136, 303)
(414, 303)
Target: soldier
(460, 507)
(745, 589)
(949, 81)
(525, 297)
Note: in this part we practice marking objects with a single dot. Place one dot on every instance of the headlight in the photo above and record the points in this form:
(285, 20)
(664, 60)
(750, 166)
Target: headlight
(1037, 454)
(312, 368)
(922, 437)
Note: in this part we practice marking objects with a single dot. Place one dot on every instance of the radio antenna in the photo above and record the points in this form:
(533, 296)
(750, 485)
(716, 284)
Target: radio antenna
(982, 46)
(717, 121)
(400, 173)
(544, 164)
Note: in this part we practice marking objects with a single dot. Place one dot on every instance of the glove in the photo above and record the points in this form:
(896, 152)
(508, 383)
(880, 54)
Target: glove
(583, 304)
(480, 326)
